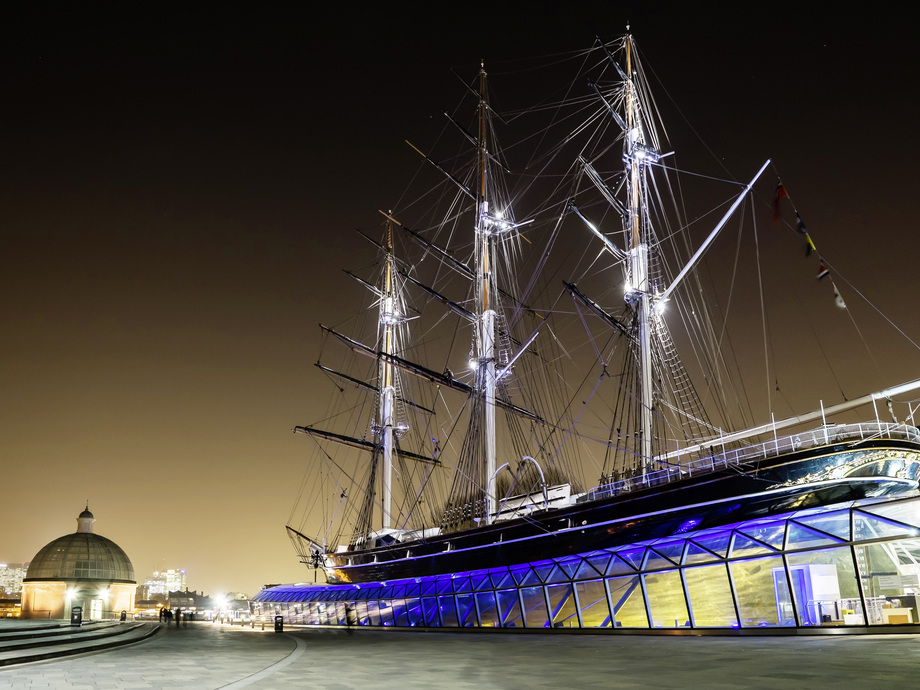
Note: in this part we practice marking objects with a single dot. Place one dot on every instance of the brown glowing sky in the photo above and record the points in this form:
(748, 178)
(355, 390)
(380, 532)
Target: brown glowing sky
(179, 193)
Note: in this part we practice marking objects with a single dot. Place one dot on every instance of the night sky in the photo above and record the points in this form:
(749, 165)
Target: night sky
(178, 194)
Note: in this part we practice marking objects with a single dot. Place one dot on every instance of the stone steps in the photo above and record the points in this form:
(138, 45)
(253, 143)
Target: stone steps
(24, 643)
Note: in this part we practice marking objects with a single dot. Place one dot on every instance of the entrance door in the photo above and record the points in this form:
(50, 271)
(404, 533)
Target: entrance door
(95, 609)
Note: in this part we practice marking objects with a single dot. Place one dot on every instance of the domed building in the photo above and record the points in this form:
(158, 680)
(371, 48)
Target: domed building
(80, 569)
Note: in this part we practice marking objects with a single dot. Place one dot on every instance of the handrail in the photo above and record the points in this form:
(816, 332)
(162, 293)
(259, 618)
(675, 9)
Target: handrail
(822, 436)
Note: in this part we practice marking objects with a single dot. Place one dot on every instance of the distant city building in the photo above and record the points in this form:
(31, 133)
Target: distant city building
(80, 569)
(165, 581)
(9, 608)
(11, 578)
(191, 601)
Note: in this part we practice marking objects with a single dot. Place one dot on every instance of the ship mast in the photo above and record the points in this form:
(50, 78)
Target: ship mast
(485, 342)
(386, 426)
(636, 222)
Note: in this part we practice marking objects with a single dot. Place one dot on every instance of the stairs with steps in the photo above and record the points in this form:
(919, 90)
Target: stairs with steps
(22, 642)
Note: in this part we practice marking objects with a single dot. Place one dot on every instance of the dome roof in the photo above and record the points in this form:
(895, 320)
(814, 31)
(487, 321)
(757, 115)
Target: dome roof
(81, 556)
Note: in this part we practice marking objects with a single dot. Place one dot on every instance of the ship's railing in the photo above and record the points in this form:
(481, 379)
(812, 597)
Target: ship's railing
(732, 457)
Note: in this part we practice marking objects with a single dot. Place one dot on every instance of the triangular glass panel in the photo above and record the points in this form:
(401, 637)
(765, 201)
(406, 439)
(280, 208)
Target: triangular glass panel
(586, 571)
(399, 591)
(717, 542)
(672, 550)
(557, 575)
(619, 567)
(907, 512)
(428, 587)
(600, 561)
(835, 523)
(655, 561)
(532, 578)
(519, 573)
(445, 586)
(543, 569)
(866, 526)
(480, 581)
(745, 546)
(770, 533)
(570, 566)
(801, 537)
(633, 556)
(501, 578)
(462, 584)
(697, 554)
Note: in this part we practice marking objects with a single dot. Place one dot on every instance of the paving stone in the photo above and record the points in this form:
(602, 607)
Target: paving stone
(206, 655)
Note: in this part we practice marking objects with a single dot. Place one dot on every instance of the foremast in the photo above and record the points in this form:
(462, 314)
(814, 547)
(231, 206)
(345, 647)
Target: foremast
(643, 295)
(637, 264)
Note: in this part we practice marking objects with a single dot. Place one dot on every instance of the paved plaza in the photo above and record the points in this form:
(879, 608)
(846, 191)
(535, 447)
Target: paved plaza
(205, 655)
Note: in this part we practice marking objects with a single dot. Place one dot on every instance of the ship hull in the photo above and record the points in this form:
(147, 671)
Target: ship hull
(819, 476)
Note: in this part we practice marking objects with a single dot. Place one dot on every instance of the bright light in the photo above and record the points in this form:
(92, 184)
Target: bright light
(473, 364)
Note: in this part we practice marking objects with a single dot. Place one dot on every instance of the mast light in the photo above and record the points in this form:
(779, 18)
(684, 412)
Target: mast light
(646, 154)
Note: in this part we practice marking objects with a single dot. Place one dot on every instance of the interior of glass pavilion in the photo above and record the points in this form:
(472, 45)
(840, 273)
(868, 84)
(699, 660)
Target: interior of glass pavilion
(840, 567)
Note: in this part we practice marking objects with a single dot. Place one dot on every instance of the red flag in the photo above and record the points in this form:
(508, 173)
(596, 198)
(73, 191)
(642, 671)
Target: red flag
(780, 194)
(822, 271)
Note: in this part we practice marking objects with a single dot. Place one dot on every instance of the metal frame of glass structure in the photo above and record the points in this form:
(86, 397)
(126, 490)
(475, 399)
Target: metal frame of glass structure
(842, 566)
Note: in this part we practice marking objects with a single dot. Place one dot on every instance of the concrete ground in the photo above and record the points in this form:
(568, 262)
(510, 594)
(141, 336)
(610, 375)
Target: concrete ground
(205, 655)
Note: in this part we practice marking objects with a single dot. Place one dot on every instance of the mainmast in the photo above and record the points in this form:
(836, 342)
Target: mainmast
(485, 342)
(386, 424)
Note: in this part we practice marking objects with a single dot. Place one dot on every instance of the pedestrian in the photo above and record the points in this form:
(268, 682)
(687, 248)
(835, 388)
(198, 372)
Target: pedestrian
(350, 618)
(160, 614)
(178, 616)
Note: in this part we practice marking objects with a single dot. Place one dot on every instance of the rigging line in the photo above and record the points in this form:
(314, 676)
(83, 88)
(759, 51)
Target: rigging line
(718, 160)
(872, 305)
(826, 360)
(558, 109)
(683, 413)
(591, 339)
(863, 340)
(853, 288)
(763, 319)
(577, 419)
(718, 365)
(338, 486)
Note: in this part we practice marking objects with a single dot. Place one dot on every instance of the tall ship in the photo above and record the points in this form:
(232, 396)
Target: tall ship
(516, 440)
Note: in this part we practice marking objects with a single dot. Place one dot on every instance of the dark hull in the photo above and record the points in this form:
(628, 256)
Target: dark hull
(786, 482)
